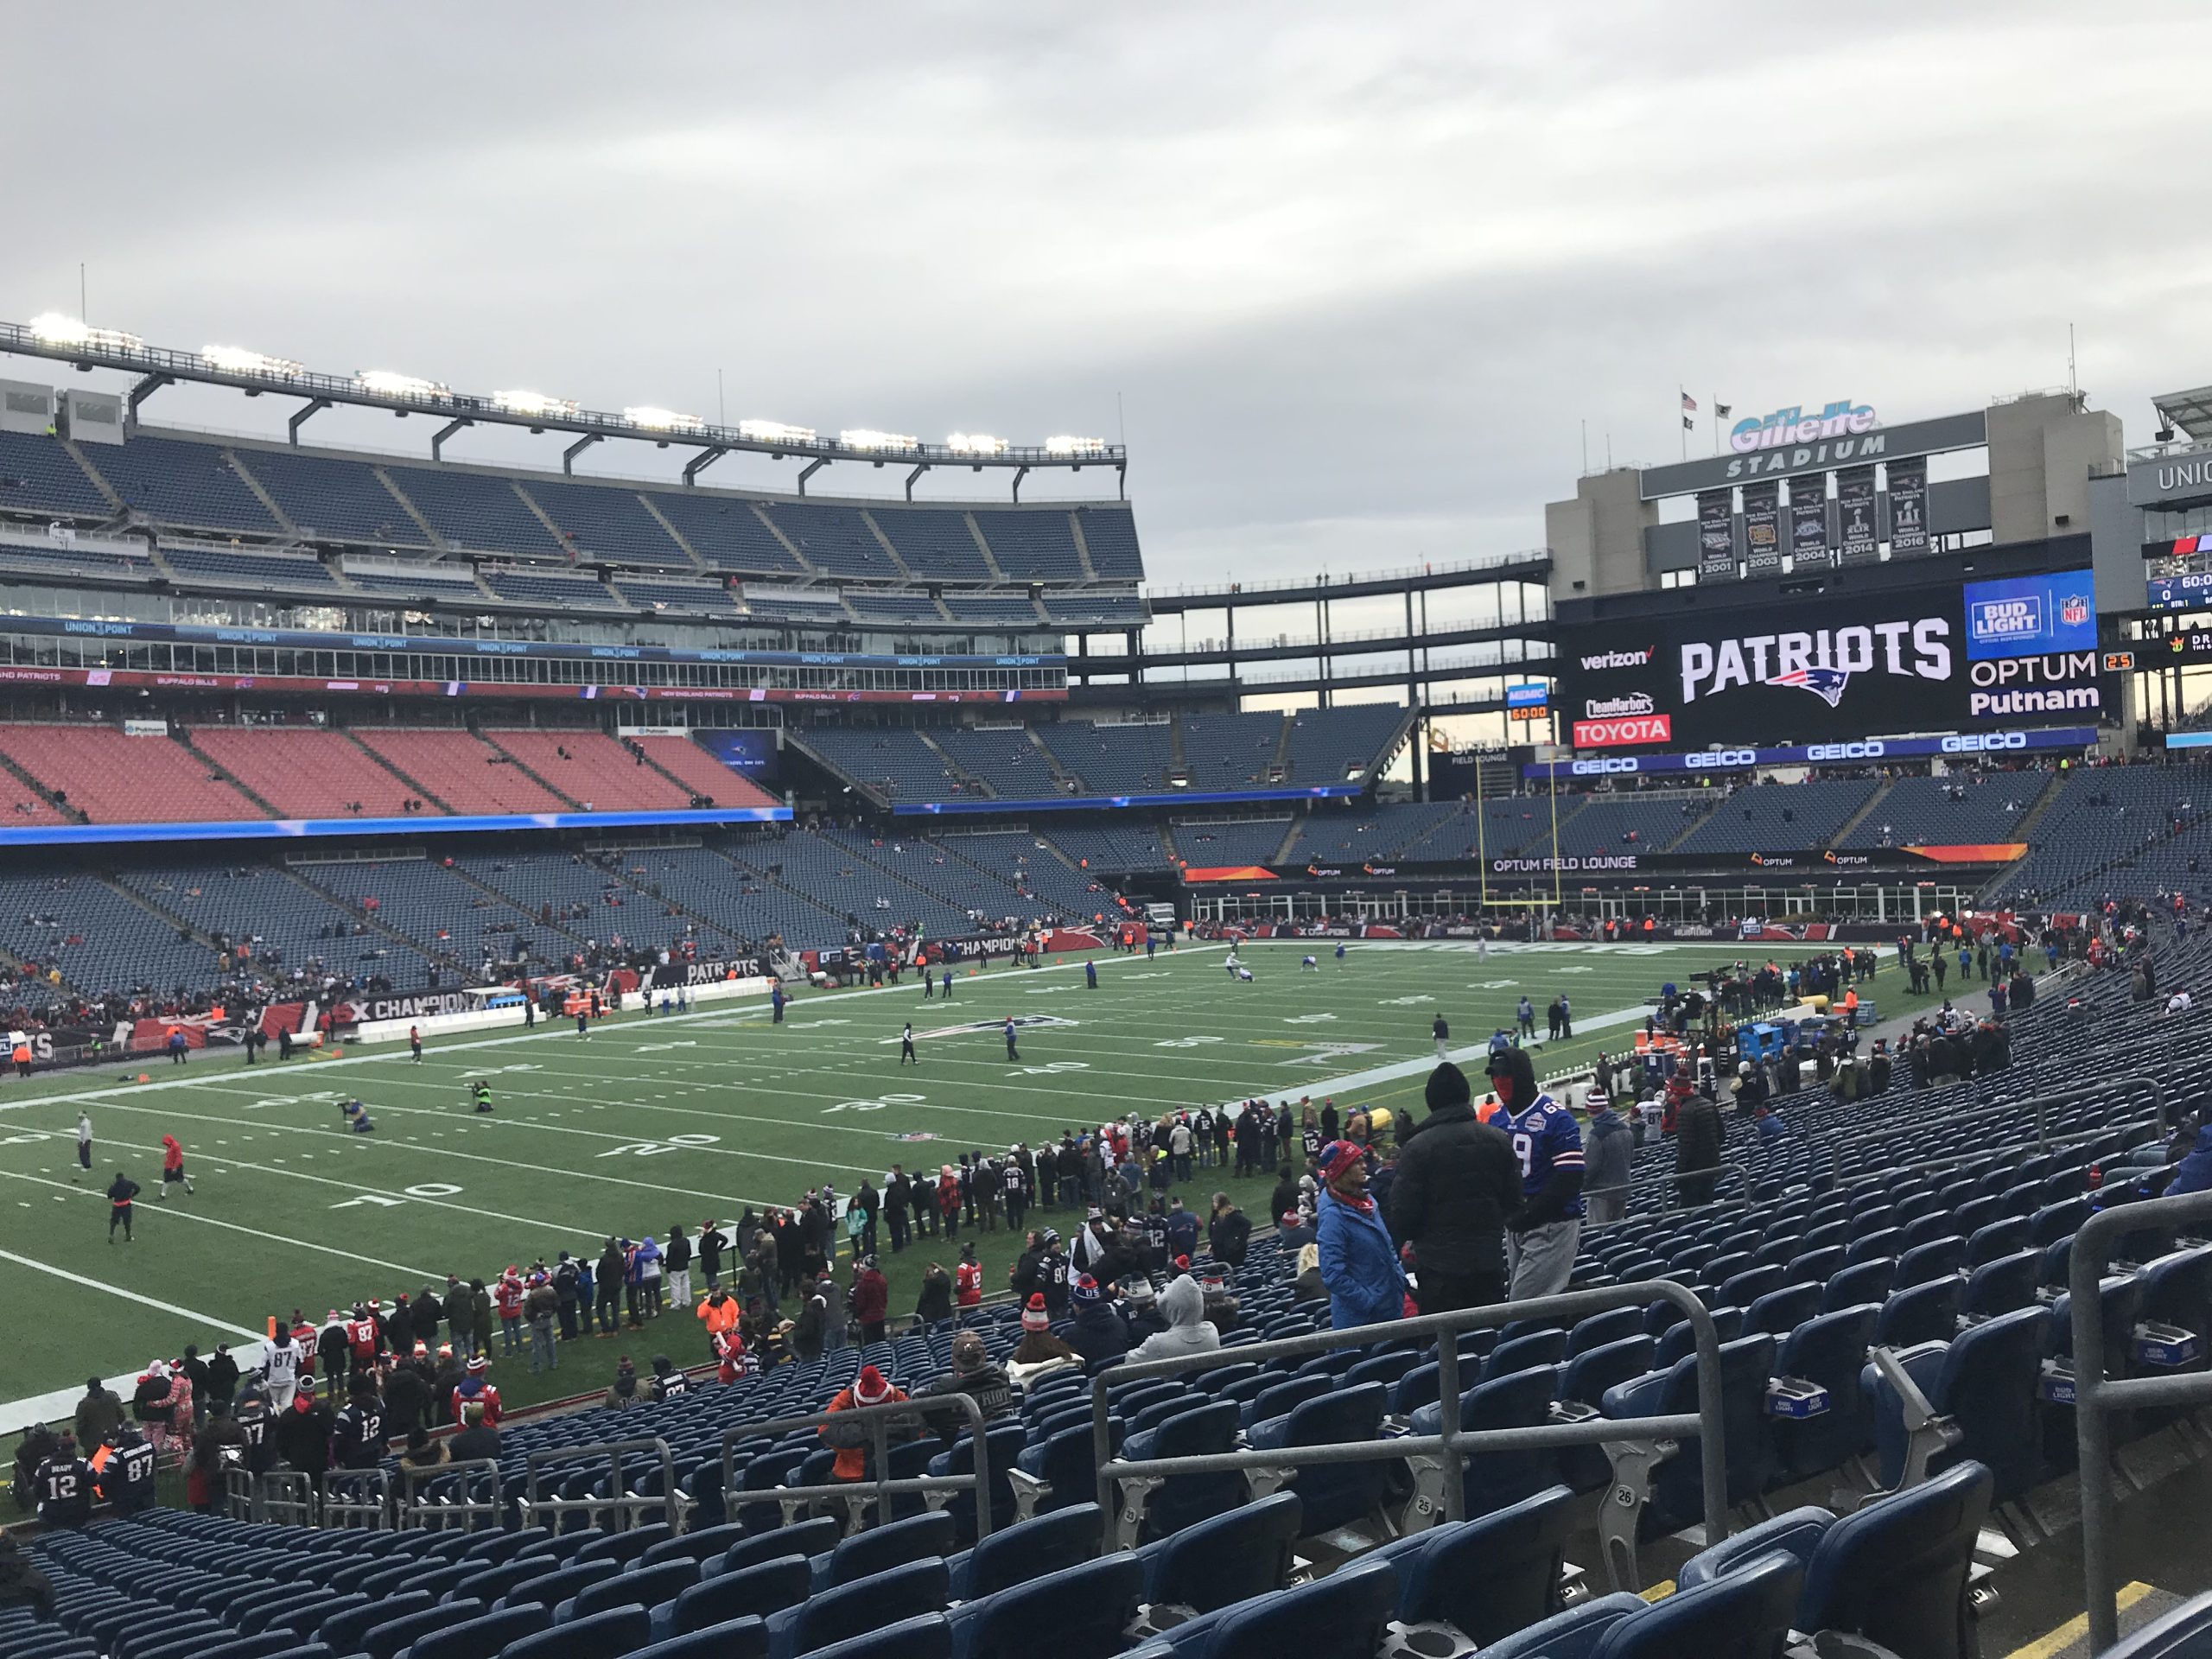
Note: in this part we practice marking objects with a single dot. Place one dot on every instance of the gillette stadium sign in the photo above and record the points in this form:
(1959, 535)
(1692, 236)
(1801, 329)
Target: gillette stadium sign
(1841, 667)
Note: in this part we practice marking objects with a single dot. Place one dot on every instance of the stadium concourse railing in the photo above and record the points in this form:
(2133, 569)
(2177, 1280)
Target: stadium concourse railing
(2097, 1395)
(1636, 1446)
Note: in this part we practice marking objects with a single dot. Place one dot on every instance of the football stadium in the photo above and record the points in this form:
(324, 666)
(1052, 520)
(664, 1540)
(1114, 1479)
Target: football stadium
(633, 1035)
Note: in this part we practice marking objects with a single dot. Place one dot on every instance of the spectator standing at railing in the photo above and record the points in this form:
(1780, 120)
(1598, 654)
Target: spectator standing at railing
(1607, 1148)
(1457, 1182)
(1359, 1262)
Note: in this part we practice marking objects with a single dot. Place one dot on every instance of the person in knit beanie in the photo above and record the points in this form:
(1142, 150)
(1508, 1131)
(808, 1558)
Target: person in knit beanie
(855, 1450)
(1039, 1353)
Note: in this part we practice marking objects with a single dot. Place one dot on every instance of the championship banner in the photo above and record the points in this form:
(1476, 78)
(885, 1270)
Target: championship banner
(1716, 536)
(1857, 539)
(1808, 521)
(1908, 509)
(1763, 529)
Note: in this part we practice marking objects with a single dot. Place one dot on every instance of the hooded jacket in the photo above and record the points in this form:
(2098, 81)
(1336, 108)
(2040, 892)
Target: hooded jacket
(1606, 1154)
(1098, 1331)
(1183, 1304)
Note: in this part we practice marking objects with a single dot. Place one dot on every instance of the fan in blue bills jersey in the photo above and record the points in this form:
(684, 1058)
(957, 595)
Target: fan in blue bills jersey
(1540, 1240)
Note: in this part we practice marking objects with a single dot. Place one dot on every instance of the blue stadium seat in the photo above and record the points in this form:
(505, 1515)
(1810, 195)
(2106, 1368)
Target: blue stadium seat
(342, 1632)
(810, 1538)
(550, 1585)
(2184, 1633)
(1895, 1571)
(1487, 1577)
(624, 1547)
(882, 1548)
(385, 1641)
(1829, 1352)
(1028, 1549)
(1986, 1380)
(1583, 1382)
(760, 1589)
(1003, 1442)
(481, 1638)
(1939, 1258)
(927, 1636)
(2005, 1284)
(737, 1638)
(1796, 1534)
(1084, 1608)
(1677, 1490)
(1493, 1480)
(613, 1634)
(851, 1610)
(1340, 1617)
(1926, 1312)
(1229, 1558)
(1780, 1311)
(1573, 1634)
(1860, 1281)
(1744, 1615)
(1334, 1495)
(1183, 1500)
(709, 1543)
(647, 1588)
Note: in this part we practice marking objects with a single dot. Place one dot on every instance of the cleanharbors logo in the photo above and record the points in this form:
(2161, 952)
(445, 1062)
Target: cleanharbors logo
(1634, 702)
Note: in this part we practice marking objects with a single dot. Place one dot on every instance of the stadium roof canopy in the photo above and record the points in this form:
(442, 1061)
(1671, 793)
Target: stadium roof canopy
(2190, 410)
(65, 340)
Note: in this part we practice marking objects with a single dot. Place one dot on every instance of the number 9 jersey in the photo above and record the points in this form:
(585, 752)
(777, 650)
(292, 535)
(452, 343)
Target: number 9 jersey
(1546, 1139)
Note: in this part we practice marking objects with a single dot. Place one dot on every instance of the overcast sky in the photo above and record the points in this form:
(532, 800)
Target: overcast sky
(1354, 276)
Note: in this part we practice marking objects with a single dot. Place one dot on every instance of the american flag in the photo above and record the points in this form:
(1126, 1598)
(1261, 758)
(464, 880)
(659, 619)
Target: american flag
(1689, 402)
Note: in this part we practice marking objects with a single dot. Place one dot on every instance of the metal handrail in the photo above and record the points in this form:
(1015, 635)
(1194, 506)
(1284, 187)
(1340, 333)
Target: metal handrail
(622, 1508)
(357, 1498)
(2042, 1104)
(2095, 1394)
(422, 1512)
(1451, 1442)
(878, 1420)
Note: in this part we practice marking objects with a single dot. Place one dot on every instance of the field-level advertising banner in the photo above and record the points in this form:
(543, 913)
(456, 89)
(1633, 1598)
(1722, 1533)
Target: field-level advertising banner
(1763, 529)
(1856, 535)
(1716, 536)
(1908, 509)
(1844, 666)
(1808, 521)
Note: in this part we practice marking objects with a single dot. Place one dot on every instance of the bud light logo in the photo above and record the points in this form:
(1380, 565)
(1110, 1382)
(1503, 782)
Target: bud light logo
(2031, 616)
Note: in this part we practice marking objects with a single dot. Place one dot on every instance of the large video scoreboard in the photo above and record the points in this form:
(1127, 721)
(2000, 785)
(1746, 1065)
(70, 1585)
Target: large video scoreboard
(1950, 657)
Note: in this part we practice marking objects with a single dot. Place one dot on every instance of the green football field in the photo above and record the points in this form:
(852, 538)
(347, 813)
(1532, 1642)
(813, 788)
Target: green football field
(654, 1122)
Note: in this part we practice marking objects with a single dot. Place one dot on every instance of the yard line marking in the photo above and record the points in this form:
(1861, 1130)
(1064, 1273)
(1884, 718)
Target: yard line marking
(292, 1239)
(133, 1296)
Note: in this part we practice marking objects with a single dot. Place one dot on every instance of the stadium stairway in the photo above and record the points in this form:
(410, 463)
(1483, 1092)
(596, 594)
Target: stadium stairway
(1082, 547)
(968, 779)
(1842, 837)
(268, 808)
(68, 814)
(1289, 839)
(421, 792)
(1177, 765)
(248, 966)
(1061, 777)
(1278, 762)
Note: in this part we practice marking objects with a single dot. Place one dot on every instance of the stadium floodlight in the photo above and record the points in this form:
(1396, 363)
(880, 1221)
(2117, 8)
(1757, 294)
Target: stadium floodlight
(862, 437)
(775, 432)
(56, 329)
(533, 402)
(1064, 445)
(236, 359)
(663, 420)
(976, 443)
(384, 383)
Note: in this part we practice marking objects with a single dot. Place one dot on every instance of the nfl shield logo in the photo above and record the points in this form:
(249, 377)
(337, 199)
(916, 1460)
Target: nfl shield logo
(2074, 611)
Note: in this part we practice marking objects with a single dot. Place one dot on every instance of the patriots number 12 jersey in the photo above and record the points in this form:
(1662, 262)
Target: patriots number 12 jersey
(1545, 1140)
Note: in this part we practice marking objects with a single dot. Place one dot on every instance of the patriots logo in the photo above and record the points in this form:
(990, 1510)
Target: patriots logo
(1826, 683)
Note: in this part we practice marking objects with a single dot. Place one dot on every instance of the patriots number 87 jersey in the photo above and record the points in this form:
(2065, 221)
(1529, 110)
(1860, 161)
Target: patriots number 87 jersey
(1545, 1140)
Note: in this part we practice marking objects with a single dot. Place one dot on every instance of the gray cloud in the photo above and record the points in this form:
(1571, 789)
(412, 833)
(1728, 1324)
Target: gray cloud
(1358, 276)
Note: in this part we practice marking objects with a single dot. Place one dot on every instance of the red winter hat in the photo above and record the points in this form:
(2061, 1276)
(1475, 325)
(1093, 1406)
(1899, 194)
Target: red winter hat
(869, 1388)
(1033, 1316)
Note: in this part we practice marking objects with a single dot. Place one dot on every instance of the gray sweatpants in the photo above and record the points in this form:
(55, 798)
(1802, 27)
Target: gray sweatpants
(1540, 1259)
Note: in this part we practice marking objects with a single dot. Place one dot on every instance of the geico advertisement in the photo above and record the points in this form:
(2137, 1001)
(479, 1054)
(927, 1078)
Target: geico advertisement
(1830, 669)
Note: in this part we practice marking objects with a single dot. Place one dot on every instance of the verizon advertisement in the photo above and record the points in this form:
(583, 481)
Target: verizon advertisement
(1840, 666)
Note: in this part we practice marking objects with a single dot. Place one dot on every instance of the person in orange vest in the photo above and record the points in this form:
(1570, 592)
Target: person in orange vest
(719, 1314)
(23, 1056)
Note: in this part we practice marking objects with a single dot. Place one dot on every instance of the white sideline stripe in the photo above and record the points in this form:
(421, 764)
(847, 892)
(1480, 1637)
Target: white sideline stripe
(51, 1407)
(290, 1240)
(656, 1022)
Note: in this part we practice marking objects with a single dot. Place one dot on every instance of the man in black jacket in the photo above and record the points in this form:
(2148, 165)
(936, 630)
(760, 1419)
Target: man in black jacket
(1698, 1136)
(1456, 1184)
